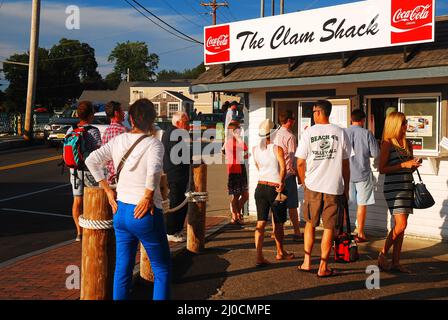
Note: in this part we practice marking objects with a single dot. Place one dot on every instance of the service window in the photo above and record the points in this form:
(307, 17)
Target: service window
(422, 115)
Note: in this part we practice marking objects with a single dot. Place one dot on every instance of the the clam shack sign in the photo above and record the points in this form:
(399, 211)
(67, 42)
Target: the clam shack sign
(355, 26)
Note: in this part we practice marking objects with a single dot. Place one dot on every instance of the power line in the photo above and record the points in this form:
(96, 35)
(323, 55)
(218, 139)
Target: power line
(167, 24)
(143, 14)
(175, 10)
(230, 11)
(201, 14)
(214, 6)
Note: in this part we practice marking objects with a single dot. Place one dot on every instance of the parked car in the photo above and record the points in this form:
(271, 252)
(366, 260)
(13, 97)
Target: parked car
(212, 122)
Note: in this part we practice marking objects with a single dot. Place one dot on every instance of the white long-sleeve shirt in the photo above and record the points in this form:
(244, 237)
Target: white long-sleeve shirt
(142, 169)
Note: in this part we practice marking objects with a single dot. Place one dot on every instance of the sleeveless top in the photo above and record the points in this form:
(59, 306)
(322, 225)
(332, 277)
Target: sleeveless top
(268, 166)
(398, 186)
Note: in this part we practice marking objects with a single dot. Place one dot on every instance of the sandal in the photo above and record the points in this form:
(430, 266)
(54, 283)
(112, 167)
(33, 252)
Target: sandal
(327, 275)
(300, 269)
(400, 269)
(360, 239)
(383, 264)
(262, 264)
(287, 256)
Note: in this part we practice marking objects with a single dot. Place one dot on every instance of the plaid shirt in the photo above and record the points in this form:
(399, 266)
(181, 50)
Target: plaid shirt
(113, 130)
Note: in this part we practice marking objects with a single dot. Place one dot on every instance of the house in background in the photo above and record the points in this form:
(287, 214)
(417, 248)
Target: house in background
(169, 102)
(121, 95)
(203, 102)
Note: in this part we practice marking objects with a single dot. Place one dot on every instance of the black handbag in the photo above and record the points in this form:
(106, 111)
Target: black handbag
(422, 198)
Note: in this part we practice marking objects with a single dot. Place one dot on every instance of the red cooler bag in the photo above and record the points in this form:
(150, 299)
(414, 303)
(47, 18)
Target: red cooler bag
(345, 247)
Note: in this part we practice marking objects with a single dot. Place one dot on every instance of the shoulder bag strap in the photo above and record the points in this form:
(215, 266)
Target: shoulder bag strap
(125, 157)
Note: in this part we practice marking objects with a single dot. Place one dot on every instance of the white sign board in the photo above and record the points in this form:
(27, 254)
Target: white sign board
(355, 26)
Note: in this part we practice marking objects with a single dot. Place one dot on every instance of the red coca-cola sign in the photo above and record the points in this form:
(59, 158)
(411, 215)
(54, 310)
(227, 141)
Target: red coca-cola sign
(217, 44)
(411, 20)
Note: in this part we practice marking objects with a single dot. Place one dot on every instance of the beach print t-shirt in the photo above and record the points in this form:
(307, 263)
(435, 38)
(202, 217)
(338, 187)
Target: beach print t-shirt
(324, 146)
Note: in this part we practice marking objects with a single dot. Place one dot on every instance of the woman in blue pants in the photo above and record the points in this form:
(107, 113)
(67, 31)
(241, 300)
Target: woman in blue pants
(138, 161)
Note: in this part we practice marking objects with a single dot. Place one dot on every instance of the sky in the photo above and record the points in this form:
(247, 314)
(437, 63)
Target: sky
(103, 23)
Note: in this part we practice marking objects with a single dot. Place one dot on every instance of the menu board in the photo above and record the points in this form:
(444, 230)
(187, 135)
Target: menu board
(419, 126)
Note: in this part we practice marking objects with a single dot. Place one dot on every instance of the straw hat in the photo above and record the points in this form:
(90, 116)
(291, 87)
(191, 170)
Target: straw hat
(266, 127)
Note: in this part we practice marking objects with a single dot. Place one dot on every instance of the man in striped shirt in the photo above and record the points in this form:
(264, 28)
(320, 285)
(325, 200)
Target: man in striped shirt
(116, 116)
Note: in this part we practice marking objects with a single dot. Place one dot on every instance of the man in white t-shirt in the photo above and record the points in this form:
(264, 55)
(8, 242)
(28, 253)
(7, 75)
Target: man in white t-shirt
(323, 164)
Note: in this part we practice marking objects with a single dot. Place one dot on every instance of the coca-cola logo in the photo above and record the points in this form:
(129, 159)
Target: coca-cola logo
(222, 40)
(217, 44)
(411, 20)
(418, 13)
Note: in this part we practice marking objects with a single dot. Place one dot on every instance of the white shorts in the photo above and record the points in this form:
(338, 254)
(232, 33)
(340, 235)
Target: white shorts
(362, 193)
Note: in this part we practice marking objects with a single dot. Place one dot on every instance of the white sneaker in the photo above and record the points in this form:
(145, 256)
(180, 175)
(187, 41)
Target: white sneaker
(175, 238)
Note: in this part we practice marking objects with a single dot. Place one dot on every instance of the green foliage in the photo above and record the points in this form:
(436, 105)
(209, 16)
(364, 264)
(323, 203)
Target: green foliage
(135, 57)
(165, 75)
(63, 72)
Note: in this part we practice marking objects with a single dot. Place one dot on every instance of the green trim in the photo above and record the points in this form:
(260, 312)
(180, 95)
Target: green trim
(420, 73)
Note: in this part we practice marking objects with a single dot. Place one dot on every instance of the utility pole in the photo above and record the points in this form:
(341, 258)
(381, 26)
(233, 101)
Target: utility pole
(32, 70)
(262, 9)
(127, 75)
(273, 7)
(282, 6)
(214, 5)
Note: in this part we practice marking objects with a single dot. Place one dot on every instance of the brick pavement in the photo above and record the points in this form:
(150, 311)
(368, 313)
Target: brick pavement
(43, 276)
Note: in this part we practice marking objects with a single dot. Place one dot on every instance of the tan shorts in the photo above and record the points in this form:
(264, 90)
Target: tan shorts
(319, 205)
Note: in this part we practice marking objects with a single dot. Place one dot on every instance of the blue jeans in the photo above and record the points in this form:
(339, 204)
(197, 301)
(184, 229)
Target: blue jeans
(150, 231)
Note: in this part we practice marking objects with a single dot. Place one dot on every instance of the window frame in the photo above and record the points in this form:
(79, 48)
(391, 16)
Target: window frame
(172, 104)
(409, 96)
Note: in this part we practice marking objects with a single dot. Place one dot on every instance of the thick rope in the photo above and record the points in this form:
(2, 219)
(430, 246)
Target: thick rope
(95, 224)
(189, 197)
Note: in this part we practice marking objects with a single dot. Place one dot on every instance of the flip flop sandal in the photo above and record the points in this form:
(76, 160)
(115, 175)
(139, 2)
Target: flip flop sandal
(288, 256)
(400, 269)
(262, 264)
(328, 275)
(360, 239)
(299, 269)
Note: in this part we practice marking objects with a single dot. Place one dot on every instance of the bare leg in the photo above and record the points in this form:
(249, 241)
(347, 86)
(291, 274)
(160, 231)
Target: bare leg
(77, 211)
(361, 217)
(308, 245)
(259, 237)
(234, 206)
(326, 244)
(279, 235)
(294, 216)
(241, 202)
(401, 221)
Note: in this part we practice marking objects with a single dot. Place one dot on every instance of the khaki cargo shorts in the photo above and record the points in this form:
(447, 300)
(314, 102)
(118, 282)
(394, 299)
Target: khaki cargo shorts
(319, 205)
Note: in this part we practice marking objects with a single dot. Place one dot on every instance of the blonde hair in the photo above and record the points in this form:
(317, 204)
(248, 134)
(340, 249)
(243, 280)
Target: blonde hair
(392, 132)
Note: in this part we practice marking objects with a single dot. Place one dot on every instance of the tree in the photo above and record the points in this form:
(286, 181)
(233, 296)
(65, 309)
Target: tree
(135, 57)
(63, 72)
(165, 75)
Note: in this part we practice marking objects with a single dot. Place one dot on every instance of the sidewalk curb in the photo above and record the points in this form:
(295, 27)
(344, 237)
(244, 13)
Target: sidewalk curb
(19, 143)
(34, 253)
(182, 247)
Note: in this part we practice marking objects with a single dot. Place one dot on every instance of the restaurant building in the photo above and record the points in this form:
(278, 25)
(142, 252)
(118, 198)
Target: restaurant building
(411, 78)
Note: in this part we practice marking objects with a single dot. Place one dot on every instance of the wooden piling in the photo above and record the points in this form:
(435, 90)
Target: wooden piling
(197, 212)
(98, 248)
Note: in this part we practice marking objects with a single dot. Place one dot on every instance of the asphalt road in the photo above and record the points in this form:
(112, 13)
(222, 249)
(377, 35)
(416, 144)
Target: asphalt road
(35, 201)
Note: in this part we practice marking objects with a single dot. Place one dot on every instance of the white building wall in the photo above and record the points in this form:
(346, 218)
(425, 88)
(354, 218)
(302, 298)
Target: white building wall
(428, 223)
